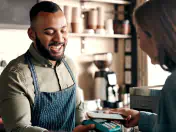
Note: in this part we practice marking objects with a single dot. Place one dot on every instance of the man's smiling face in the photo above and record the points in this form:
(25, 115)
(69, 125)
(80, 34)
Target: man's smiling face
(51, 34)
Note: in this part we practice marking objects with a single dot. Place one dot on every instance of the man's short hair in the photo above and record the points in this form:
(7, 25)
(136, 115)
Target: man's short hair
(44, 6)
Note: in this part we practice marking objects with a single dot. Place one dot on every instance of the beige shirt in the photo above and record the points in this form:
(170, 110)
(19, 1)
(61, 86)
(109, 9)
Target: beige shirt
(17, 90)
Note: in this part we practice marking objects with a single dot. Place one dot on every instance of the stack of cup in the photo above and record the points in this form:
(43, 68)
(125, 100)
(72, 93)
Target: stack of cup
(100, 18)
(100, 23)
(92, 19)
(68, 16)
(76, 20)
(109, 26)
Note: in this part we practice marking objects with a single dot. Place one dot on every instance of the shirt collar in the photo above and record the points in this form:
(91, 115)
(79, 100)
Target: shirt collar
(38, 59)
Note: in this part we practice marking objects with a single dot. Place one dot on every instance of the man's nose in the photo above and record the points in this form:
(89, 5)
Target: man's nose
(58, 37)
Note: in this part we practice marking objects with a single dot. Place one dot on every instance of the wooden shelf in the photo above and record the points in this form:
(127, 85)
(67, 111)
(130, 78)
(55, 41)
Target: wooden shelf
(123, 2)
(120, 36)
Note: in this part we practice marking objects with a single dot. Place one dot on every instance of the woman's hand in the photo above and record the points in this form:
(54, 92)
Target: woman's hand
(132, 116)
(84, 128)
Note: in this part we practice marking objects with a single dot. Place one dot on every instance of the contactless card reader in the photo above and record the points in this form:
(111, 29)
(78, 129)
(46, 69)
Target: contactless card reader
(104, 125)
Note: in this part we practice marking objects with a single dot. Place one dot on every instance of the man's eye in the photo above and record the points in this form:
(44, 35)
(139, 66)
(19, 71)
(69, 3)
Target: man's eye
(49, 32)
(64, 31)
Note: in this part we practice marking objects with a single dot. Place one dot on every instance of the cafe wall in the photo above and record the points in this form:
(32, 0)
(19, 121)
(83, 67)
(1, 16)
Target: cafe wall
(15, 42)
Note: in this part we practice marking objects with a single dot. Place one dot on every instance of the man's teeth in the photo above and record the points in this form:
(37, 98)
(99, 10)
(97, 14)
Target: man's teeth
(56, 47)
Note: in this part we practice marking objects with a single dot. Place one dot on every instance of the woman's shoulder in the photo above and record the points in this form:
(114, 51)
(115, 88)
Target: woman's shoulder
(172, 76)
(170, 83)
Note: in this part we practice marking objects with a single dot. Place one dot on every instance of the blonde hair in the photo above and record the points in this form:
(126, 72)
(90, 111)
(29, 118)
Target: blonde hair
(158, 17)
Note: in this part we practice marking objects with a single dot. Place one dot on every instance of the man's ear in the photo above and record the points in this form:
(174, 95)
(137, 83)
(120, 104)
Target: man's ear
(31, 34)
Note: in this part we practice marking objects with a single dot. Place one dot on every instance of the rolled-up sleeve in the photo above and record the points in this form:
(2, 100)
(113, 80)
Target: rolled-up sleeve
(15, 108)
(80, 111)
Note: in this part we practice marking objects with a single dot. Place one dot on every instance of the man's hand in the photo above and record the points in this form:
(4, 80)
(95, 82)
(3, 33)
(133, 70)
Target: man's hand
(132, 116)
(84, 128)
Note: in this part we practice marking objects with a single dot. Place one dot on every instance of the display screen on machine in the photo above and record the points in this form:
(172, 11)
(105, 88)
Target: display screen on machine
(112, 79)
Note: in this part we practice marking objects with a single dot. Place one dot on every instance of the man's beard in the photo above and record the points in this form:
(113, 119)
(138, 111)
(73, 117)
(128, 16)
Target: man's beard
(46, 53)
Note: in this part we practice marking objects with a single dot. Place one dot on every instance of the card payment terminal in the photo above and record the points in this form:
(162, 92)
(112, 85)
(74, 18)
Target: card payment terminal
(102, 125)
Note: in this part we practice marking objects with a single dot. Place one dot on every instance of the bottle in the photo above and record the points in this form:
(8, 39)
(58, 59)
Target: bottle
(126, 28)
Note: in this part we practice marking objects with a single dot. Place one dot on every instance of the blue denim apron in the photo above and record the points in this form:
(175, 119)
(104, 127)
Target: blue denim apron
(54, 111)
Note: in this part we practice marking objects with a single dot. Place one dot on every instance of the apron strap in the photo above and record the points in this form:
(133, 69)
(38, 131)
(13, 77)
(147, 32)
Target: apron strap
(33, 72)
(34, 75)
(69, 70)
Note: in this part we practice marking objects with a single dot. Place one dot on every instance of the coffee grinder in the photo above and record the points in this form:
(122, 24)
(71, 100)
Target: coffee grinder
(105, 83)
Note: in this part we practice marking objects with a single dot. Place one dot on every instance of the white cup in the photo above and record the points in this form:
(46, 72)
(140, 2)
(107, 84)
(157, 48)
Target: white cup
(109, 24)
(89, 31)
(100, 31)
(111, 32)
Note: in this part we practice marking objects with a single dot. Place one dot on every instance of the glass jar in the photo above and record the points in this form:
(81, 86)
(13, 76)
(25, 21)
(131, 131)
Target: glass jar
(117, 27)
(126, 28)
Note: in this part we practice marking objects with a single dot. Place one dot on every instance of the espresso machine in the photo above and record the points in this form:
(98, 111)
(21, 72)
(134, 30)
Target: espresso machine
(105, 81)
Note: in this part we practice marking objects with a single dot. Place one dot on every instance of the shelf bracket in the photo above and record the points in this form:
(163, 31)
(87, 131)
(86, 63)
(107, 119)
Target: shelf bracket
(83, 43)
